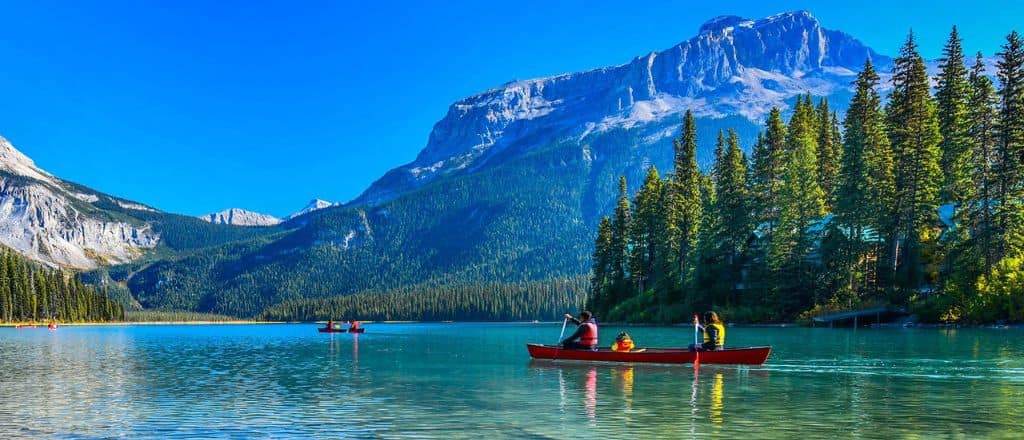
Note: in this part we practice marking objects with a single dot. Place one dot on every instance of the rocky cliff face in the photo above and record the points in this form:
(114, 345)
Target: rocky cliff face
(241, 217)
(734, 66)
(58, 223)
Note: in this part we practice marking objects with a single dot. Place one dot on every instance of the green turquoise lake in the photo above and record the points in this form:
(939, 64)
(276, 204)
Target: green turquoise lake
(466, 380)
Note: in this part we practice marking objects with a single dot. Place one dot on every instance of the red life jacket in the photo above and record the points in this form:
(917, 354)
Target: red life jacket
(589, 336)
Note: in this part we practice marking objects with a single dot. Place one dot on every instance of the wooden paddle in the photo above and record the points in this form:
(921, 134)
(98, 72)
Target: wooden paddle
(558, 345)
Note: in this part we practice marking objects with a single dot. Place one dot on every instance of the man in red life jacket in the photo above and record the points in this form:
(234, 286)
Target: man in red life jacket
(586, 332)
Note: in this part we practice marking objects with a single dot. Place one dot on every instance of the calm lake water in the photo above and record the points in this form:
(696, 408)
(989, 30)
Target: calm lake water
(474, 380)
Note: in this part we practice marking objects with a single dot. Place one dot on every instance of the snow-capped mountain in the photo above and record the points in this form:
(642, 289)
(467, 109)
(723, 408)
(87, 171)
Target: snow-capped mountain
(241, 217)
(313, 205)
(734, 66)
(60, 223)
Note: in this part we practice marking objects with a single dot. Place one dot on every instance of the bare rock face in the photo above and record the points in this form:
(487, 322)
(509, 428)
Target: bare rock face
(241, 217)
(733, 66)
(57, 223)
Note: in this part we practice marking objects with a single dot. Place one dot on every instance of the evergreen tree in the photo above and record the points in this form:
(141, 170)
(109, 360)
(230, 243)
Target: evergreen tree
(951, 96)
(801, 203)
(914, 134)
(983, 119)
(1009, 173)
(828, 150)
(864, 196)
(648, 227)
(685, 209)
(769, 155)
(621, 226)
(602, 269)
(732, 221)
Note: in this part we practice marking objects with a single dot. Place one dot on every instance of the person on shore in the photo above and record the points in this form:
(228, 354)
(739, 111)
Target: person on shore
(714, 332)
(585, 336)
(623, 343)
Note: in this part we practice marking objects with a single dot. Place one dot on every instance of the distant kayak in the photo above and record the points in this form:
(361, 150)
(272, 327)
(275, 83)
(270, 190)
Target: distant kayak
(357, 330)
(25, 326)
(330, 330)
(743, 356)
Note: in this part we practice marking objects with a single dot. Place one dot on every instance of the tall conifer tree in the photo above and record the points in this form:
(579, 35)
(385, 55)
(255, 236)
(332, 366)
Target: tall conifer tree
(914, 134)
(1009, 171)
(951, 96)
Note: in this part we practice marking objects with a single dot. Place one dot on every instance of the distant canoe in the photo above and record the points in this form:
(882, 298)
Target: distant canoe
(25, 326)
(330, 330)
(357, 330)
(742, 356)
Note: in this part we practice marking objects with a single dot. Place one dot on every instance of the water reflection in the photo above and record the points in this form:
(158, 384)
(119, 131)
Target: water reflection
(590, 394)
(717, 404)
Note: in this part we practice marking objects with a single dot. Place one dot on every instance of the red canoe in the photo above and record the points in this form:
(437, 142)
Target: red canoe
(745, 356)
(339, 330)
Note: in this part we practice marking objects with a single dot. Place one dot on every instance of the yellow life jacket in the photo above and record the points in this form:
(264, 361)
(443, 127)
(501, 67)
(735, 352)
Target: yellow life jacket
(721, 334)
(624, 345)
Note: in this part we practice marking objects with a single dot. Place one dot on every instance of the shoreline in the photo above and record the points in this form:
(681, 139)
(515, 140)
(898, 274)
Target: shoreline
(1014, 326)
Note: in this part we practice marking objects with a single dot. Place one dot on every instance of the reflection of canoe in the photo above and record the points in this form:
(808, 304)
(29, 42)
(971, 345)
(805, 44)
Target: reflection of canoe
(747, 356)
(330, 330)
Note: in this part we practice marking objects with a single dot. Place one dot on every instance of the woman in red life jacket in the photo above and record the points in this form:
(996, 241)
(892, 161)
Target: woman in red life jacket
(353, 326)
(585, 336)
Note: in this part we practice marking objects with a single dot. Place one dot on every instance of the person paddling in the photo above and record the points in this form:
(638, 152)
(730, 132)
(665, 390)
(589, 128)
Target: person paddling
(586, 332)
(354, 326)
(714, 332)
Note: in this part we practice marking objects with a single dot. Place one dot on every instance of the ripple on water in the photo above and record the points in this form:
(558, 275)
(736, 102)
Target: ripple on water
(471, 380)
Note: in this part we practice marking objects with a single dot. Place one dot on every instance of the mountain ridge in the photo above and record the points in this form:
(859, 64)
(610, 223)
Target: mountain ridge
(751, 68)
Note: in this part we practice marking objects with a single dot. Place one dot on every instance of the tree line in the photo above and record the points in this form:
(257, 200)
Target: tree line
(30, 292)
(512, 301)
(914, 200)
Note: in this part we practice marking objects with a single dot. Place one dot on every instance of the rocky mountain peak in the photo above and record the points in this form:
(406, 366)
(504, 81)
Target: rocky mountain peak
(734, 66)
(313, 205)
(241, 217)
(16, 162)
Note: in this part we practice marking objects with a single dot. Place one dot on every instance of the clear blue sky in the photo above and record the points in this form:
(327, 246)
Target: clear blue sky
(197, 106)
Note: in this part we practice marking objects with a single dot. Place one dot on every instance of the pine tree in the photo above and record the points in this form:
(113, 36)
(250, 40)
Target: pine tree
(866, 187)
(982, 118)
(732, 217)
(828, 157)
(951, 96)
(914, 134)
(768, 161)
(1009, 172)
(648, 227)
(685, 209)
(621, 226)
(601, 273)
(801, 203)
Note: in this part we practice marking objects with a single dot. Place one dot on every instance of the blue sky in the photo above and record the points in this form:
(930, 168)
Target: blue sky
(197, 106)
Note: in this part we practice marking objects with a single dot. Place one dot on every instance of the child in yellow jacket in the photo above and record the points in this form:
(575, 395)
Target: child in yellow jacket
(623, 342)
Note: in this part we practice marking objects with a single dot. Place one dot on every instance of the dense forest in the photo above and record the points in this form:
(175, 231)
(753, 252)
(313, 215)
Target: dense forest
(30, 292)
(914, 200)
(517, 301)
